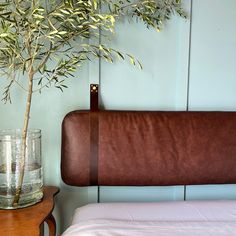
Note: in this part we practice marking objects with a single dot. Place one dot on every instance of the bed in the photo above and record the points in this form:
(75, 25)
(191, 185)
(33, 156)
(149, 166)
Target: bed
(143, 148)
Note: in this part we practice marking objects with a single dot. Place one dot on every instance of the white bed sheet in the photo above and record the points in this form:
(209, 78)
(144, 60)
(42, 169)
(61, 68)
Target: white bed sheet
(200, 218)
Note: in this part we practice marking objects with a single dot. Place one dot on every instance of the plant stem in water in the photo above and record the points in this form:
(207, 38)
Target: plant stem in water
(24, 137)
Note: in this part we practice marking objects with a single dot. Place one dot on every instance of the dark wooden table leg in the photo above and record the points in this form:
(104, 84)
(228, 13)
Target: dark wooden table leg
(51, 225)
(42, 229)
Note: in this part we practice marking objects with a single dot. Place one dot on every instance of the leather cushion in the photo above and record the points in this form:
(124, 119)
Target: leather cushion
(151, 148)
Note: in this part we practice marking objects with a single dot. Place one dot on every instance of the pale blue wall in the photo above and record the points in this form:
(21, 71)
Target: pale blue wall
(175, 68)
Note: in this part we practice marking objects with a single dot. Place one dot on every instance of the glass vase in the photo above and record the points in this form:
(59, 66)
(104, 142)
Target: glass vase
(10, 159)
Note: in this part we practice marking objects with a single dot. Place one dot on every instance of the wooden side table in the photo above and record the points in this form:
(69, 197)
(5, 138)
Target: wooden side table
(29, 221)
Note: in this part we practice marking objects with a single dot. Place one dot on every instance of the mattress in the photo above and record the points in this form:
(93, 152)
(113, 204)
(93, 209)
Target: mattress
(181, 218)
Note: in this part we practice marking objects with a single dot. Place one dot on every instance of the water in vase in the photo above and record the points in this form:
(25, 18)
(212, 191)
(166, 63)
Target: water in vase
(10, 161)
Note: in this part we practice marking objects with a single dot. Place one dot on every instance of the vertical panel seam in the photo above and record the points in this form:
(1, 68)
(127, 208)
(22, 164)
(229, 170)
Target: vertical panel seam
(189, 53)
(99, 67)
(189, 63)
(99, 60)
(99, 83)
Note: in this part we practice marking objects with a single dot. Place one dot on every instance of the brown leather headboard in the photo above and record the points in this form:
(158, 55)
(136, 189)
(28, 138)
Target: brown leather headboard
(148, 148)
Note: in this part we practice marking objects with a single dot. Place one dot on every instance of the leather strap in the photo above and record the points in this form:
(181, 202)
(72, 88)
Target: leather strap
(94, 97)
(94, 129)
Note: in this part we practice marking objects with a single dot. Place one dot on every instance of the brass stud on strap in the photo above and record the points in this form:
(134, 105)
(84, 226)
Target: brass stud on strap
(94, 88)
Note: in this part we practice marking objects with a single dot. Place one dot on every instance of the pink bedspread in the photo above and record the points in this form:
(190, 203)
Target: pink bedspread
(150, 228)
(190, 218)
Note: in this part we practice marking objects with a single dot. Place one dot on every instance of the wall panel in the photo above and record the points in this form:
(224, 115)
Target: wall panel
(213, 55)
(162, 83)
(212, 79)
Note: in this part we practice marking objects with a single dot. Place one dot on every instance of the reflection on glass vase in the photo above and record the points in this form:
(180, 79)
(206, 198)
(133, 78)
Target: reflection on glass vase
(10, 159)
